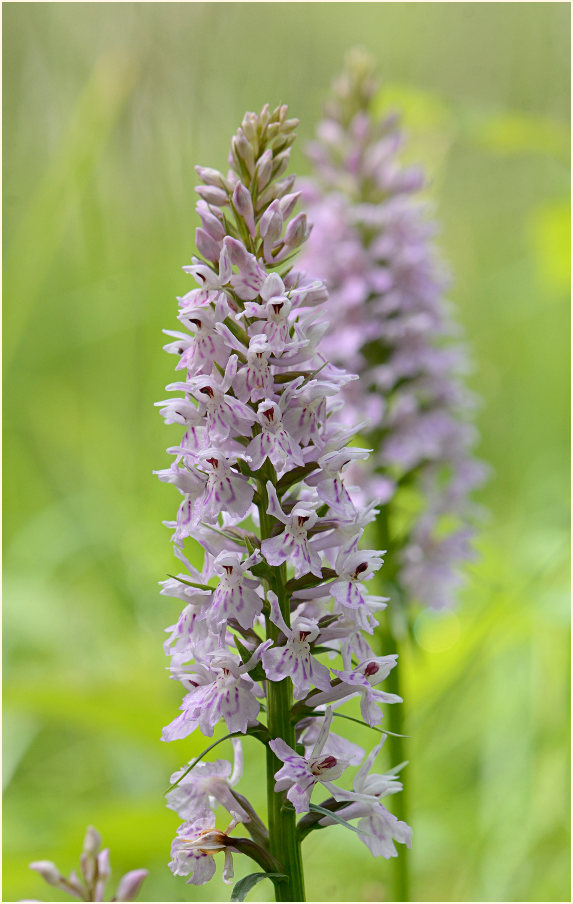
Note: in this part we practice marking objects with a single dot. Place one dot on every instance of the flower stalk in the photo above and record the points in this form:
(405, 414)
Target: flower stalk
(284, 842)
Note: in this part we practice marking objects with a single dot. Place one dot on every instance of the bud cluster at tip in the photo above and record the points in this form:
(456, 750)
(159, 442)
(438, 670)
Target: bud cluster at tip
(95, 872)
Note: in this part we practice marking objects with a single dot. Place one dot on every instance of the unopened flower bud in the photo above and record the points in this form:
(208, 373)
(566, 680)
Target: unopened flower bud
(129, 885)
(207, 246)
(264, 169)
(75, 883)
(92, 842)
(289, 125)
(264, 116)
(212, 195)
(275, 190)
(88, 867)
(48, 871)
(271, 224)
(103, 874)
(243, 204)
(283, 141)
(297, 231)
(103, 867)
(280, 163)
(243, 151)
(210, 176)
(288, 203)
(272, 131)
(210, 222)
(249, 126)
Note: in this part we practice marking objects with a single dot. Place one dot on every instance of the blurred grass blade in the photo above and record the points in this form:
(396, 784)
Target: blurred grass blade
(44, 220)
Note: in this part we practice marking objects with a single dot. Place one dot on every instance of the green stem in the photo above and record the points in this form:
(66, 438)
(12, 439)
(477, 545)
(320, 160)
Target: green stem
(284, 842)
(396, 749)
(396, 718)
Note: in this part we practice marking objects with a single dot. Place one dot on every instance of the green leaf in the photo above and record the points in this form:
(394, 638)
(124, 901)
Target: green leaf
(191, 583)
(310, 580)
(366, 725)
(295, 475)
(243, 887)
(257, 673)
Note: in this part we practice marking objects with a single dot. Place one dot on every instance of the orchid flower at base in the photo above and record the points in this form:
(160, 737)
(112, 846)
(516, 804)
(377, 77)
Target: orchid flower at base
(262, 469)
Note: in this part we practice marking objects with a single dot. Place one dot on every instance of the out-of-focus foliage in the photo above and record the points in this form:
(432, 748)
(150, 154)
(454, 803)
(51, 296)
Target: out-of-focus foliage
(106, 109)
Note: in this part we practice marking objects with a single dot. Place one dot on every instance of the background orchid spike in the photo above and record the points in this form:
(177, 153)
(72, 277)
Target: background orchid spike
(95, 872)
(372, 243)
(262, 470)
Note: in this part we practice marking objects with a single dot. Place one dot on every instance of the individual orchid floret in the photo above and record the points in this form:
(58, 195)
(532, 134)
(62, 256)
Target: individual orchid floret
(294, 659)
(191, 638)
(362, 680)
(235, 595)
(347, 589)
(343, 749)
(229, 695)
(365, 786)
(95, 873)
(353, 569)
(273, 442)
(223, 413)
(300, 774)
(255, 381)
(329, 481)
(194, 790)
(293, 544)
(212, 285)
(205, 347)
(250, 278)
(377, 828)
(194, 847)
(225, 489)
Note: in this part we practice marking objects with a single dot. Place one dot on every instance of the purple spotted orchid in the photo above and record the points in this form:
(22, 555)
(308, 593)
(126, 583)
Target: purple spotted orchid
(377, 827)
(300, 774)
(295, 660)
(263, 468)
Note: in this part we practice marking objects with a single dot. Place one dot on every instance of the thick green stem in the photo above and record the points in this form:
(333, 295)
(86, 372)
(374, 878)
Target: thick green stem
(397, 754)
(284, 842)
(396, 718)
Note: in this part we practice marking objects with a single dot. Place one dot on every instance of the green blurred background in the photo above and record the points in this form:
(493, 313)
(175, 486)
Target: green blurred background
(107, 107)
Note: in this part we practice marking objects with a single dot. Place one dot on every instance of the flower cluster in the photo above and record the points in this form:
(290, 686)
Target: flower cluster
(261, 469)
(95, 872)
(372, 244)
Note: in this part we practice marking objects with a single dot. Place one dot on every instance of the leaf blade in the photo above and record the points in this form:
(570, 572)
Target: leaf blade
(243, 886)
